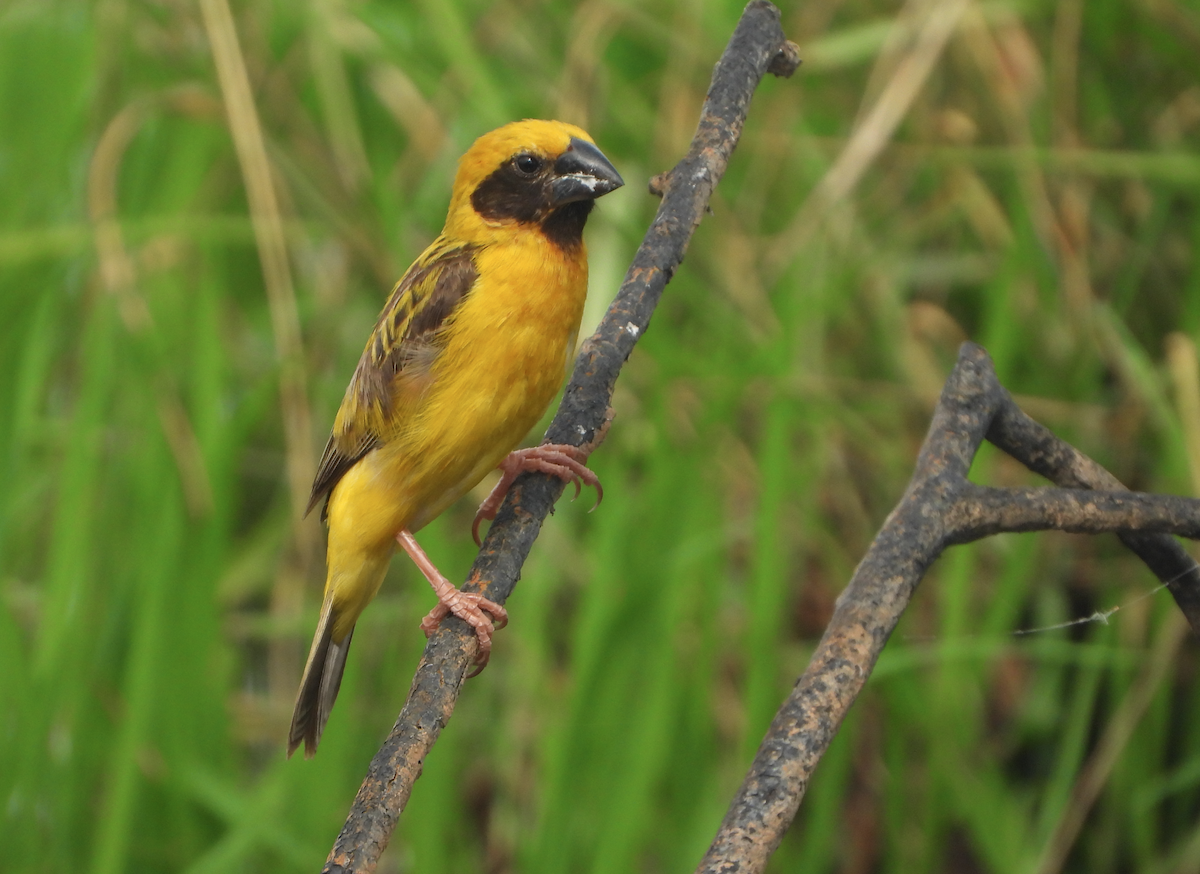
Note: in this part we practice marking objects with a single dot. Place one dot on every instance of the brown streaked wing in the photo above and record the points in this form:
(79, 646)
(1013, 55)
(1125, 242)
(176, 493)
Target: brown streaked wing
(401, 349)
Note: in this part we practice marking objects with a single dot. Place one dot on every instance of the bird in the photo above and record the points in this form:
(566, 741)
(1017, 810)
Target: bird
(470, 348)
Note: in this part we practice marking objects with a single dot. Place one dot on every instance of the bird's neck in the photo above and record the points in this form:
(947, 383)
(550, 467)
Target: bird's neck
(564, 226)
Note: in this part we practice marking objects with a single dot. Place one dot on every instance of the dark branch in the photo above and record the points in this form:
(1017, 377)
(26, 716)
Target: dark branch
(1032, 444)
(981, 511)
(757, 46)
(939, 508)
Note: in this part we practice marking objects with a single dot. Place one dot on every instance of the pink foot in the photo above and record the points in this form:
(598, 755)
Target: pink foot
(470, 607)
(558, 459)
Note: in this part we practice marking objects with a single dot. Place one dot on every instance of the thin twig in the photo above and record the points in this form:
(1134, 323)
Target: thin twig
(1032, 444)
(939, 508)
(757, 46)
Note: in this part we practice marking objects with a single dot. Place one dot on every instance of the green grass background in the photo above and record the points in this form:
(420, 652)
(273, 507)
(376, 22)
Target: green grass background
(1041, 195)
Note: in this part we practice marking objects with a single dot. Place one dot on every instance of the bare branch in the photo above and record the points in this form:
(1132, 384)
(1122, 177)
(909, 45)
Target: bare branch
(939, 508)
(1032, 444)
(982, 511)
(757, 46)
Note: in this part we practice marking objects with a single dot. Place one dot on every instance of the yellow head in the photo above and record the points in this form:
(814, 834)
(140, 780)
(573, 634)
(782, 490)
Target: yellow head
(542, 173)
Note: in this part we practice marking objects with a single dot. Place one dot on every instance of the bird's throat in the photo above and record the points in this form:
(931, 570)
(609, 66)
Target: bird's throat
(564, 226)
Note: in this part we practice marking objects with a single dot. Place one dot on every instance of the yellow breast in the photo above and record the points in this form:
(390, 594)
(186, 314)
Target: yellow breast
(504, 361)
(510, 345)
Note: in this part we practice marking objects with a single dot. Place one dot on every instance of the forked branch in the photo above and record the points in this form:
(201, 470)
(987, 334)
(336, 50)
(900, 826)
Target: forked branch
(940, 508)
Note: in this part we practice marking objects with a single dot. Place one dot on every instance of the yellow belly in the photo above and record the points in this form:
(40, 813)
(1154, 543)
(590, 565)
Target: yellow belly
(503, 362)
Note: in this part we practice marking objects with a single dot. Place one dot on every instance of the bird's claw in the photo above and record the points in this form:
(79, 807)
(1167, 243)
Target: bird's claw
(473, 609)
(557, 459)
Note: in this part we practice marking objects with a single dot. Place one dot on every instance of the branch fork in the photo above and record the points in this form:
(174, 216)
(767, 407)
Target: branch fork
(941, 508)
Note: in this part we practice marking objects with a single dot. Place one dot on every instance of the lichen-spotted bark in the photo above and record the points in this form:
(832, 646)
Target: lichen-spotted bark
(939, 508)
(1032, 444)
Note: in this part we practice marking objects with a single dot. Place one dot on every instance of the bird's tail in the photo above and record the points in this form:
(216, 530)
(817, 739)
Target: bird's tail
(353, 582)
(320, 684)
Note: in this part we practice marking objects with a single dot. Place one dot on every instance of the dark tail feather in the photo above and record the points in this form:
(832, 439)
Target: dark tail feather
(319, 686)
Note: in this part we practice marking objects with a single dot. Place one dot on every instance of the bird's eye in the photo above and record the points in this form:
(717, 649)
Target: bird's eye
(528, 164)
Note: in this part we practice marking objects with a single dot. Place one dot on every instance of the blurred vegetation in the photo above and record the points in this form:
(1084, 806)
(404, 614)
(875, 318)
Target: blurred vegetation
(161, 404)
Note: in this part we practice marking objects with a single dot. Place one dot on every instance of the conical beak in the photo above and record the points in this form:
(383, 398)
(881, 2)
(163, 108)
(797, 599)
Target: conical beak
(583, 173)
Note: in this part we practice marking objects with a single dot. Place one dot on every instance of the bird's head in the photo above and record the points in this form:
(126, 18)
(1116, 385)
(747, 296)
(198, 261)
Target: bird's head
(543, 174)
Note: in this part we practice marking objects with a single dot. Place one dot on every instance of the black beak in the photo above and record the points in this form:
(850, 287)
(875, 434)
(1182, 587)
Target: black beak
(583, 173)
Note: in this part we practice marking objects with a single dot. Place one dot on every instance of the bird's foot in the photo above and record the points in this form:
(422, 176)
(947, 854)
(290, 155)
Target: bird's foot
(471, 607)
(557, 459)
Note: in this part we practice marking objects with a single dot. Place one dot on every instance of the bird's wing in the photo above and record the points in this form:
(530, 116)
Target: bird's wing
(399, 354)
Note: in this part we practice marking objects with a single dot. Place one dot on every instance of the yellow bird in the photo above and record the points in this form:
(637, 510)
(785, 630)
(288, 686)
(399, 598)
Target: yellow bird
(469, 350)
